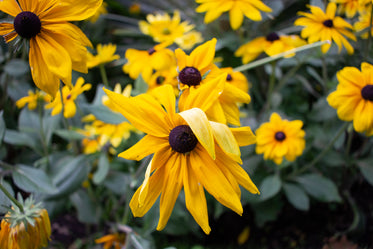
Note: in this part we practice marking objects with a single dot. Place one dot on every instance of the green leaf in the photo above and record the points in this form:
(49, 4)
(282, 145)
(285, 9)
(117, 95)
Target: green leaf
(321, 188)
(104, 114)
(32, 179)
(102, 170)
(140, 86)
(296, 196)
(270, 186)
(117, 182)
(2, 127)
(366, 169)
(69, 134)
(88, 211)
(16, 67)
(22, 139)
(4, 200)
(50, 124)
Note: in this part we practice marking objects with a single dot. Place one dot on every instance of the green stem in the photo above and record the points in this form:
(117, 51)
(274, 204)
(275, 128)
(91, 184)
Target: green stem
(287, 76)
(271, 86)
(278, 56)
(104, 76)
(324, 70)
(14, 200)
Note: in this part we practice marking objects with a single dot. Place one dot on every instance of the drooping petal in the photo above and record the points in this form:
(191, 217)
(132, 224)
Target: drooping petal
(147, 145)
(243, 135)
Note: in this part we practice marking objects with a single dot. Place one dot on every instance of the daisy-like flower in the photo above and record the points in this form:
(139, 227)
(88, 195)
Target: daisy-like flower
(56, 46)
(163, 28)
(280, 138)
(189, 40)
(271, 44)
(27, 230)
(364, 23)
(348, 7)
(105, 54)
(143, 62)
(353, 97)
(236, 79)
(189, 152)
(99, 12)
(198, 69)
(162, 77)
(32, 99)
(69, 96)
(325, 26)
(114, 240)
(237, 10)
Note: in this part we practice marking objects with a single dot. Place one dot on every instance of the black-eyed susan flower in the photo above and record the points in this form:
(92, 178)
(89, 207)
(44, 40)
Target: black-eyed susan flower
(56, 46)
(114, 240)
(190, 152)
(280, 138)
(32, 99)
(189, 40)
(162, 77)
(364, 23)
(349, 7)
(105, 54)
(325, 26)
(237, 10)
(198, 69)
(30, 229)
(144, 62)
(67, 101)
(272, 44)
(236, 79)
(353, 97)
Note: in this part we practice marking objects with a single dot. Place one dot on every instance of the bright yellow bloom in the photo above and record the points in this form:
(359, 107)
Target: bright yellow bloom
(162, 77)
(143, 62)
(348, 7)
(56, 46)
(32, 99)
(198, 69)
(100, 11)
(280, 138)
(353, 98)
(364, 23)
(105, 54)
(163, 28)
(236, 79)
(271, 44)
(188, 40)
(116, 240)
(325, 26)
(68, 96)
(17, 232)
(237, 10)
(190, 152)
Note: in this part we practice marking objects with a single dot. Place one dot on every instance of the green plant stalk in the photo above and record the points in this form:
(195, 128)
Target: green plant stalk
(271, 86)
(14, 200)
(278, 56)
(104, 75)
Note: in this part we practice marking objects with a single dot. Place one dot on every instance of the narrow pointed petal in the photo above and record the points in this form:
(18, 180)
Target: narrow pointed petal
(147, 145)
(166, 96)
(243, 135)
(10, 7)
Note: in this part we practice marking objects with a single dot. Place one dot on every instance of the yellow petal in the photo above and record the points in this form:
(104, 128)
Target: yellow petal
(243, 135)
(203, 55)
(166, 96)
(146, 146)
(10, 7)
(235, 18)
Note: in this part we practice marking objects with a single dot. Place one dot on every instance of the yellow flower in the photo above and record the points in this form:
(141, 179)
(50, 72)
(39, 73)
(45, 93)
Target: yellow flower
(353, 97)
(280, 138)
(143, 62)
(162, 77)
(198, 69)
(189, 152)
(105, 54)
(100, 11)
(134, 8)
(236, 79)
(116, 240)
(364, 23)
(56, 46)
(117, 89)
(348, 7)
(325, 26)
(271, 44)
(32, 99)
(188, 40)
(237, 10)
(68, 96)
(163, 28)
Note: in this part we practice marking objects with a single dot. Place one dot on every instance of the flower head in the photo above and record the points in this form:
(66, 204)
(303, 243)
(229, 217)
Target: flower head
(32, 99)
(353, 97)
(56, 46)
(162, 77)
(68, 98)
(325, 26)
(364, 23)
(30, 229)
(349, 7)
(105, 54)
(100, 11)
(188, 40)
(237, 10)
(114, 240)
(280, 138)
(271, 44)
(189, 152)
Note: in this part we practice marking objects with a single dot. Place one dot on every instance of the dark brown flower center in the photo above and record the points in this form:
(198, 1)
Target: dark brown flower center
(190, 76)
(27, 24)
(159, 80)
(328, 23)
(229, 77)
(272, 37)
(151, 51)
(280, 136)
(367, 92)
(182, 139)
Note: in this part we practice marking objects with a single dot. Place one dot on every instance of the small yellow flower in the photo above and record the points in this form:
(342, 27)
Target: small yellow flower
(271, 44)
(143, 62)
(364, 23)
(68, 96)
(353, 97)
(237, 10)
(325, 26)
(100, 11)
(189, 40)
(280, 138)
(236, 79)
(105, 54)
(32, 99)
(116, 240)
(162, 77)
(349, 7)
